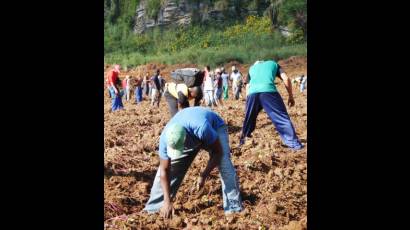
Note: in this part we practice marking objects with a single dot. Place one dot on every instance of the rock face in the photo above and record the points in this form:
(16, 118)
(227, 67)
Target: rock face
(174, 12)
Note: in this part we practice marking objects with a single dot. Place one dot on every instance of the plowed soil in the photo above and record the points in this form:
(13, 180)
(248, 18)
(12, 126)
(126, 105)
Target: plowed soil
(273, 178)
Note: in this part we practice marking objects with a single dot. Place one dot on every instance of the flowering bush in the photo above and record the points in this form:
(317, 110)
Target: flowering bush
(253, 25)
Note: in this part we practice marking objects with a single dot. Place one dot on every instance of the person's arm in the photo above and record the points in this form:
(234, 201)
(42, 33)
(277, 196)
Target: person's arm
(247, 79)
(288, 85)
(182, 101)
(214, 160)
(164, 166)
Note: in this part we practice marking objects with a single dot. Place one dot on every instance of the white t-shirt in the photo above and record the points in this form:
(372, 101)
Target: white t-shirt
(208, 84)
(235, 77)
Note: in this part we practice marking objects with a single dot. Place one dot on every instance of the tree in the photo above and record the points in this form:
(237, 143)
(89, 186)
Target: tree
(273, 12)
(294, 12)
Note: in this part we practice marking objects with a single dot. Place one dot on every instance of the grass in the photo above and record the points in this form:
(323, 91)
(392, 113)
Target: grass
(211, 56)
(244, 42)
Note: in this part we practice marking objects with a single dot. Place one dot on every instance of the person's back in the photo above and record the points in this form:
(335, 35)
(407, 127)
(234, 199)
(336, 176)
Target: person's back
(262, 76)
(174, 89)
(196, 126)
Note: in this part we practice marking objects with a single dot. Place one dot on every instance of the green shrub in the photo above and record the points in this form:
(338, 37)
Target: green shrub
(152, 8)
(198, 44)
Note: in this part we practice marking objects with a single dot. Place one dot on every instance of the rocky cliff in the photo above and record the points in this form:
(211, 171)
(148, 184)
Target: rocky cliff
(183, 12)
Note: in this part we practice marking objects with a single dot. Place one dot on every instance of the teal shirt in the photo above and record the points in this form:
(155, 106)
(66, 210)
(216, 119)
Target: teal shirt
(262, 77)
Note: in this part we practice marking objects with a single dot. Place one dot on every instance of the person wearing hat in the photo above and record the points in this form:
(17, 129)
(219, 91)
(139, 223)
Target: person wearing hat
(190, 130)
(178, 96)
(114, 83)
(236, 78)
(225, 83)
(262, 94)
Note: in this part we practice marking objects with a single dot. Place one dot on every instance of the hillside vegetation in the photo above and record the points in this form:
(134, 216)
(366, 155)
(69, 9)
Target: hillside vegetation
(254, 32)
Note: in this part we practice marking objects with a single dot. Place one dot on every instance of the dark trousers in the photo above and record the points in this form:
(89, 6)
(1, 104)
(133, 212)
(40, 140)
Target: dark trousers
(138, 94)
(273, 105)
(172, 103)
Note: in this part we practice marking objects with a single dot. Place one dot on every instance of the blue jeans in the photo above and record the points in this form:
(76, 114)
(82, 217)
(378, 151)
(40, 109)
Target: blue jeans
(116, 102)
(302, 86)
(138, 94)
(232, 201)
(218, 93)
(209, 98)
(274, 106)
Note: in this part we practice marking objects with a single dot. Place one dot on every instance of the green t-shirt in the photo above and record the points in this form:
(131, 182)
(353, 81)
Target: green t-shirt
(262, 77)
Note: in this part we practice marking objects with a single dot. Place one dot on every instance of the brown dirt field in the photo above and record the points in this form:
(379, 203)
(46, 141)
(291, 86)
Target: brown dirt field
(273, 178)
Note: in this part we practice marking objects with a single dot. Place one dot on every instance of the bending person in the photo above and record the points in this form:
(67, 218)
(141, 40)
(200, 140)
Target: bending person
(178, 96)
(262, 94)
(189, 131)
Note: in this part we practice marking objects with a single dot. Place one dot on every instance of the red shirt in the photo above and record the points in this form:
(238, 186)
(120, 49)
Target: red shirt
(112, 77)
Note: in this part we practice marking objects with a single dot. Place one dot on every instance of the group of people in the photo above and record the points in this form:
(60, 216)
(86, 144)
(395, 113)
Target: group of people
(152, 87)
(301, 80)
(194, 128)
(216, 85)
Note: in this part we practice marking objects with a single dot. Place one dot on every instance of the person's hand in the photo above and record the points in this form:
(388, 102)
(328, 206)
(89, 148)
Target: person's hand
(167, 210)
(291, 102)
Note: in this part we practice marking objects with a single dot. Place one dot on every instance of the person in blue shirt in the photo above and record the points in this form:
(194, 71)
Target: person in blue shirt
(190, 130)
